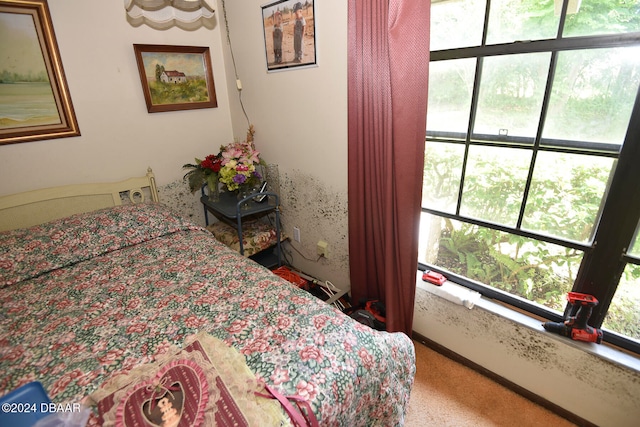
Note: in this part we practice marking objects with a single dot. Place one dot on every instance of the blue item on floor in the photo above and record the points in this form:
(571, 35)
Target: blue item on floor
(21, 407)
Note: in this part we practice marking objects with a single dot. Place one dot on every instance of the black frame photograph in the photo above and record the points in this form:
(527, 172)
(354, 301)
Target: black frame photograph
(289, 34)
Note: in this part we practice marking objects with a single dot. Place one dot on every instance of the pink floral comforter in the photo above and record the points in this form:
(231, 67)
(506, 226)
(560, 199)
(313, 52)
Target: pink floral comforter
(92, 295)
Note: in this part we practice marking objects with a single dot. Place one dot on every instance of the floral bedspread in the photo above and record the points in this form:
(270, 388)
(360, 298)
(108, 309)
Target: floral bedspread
(94, 295)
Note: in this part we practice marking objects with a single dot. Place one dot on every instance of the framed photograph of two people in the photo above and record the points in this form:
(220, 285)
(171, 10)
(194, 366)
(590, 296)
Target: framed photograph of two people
(289, 34)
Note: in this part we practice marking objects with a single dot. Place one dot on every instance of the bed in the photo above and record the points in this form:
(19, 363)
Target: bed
(99, 281)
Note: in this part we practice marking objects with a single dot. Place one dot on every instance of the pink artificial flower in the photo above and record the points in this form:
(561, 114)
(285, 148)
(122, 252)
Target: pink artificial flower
(231, 152)
(254, 157)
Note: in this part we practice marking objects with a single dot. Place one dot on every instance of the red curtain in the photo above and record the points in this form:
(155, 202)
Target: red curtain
(387, 100)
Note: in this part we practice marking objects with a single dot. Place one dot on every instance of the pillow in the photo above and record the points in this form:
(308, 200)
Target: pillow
(256, 236)
(29, 252)
(207, 382)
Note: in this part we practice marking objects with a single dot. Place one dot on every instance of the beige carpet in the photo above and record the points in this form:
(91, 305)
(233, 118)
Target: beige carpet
(446, 393)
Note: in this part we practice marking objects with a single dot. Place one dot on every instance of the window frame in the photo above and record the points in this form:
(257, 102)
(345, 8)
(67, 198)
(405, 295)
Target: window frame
(605, 257)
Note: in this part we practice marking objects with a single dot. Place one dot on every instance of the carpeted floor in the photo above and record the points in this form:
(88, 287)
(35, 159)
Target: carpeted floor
(446, 393)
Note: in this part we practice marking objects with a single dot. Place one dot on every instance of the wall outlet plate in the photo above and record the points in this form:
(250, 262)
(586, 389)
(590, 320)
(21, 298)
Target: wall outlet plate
(323, 249)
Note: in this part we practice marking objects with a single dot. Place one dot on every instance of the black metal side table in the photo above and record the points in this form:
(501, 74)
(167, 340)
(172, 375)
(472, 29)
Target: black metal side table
(232, 211)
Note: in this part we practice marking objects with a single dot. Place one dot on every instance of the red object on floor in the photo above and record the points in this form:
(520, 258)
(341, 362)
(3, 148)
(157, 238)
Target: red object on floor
(290, 276)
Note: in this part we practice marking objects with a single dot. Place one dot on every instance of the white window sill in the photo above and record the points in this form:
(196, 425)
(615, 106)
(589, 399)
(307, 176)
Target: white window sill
(460, 295)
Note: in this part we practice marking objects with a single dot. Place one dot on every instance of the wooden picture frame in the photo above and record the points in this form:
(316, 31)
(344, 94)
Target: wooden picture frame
(175, 77)
(289, 34)
(35, 103)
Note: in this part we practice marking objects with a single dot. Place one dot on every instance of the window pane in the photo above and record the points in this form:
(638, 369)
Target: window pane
(512, 20)
(511, 93)
(593, 95)
(450, 91)
(566, 194)
(534, 270)
(623, 315)
(635, 246)
(593, 17)
(494, 184)
(456, 24)
(442, 172)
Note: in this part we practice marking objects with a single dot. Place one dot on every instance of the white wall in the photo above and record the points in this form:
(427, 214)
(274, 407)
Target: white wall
(119, 138)
(573, 375)
(300, 117)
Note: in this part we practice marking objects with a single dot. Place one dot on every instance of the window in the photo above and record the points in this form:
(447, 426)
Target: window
(531, 181)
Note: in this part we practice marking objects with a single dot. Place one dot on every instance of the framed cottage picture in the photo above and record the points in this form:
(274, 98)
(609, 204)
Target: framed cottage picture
(35, 103)
(175, 77)
(289, 34)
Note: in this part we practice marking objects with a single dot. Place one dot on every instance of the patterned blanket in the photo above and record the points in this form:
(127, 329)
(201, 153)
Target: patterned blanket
(92, 296)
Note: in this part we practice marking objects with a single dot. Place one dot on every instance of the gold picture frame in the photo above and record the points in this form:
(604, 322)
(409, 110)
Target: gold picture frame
(175, 77)
(35, 103)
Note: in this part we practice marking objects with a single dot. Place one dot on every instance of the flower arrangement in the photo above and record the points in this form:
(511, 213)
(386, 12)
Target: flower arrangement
(239, 161)
(234, 166)
(203, 171)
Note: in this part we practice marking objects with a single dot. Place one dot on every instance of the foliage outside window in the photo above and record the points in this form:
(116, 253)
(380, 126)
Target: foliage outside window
(526, 124)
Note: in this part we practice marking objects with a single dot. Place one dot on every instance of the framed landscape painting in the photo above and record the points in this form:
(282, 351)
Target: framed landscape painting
(35, 103)
(175, 77)
(289, 34)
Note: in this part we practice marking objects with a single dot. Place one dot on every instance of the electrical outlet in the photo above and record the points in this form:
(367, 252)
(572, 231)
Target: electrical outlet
(323, 249)
(296, 234)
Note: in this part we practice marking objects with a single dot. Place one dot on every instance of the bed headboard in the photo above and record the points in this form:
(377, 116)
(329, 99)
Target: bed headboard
(39, 206)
